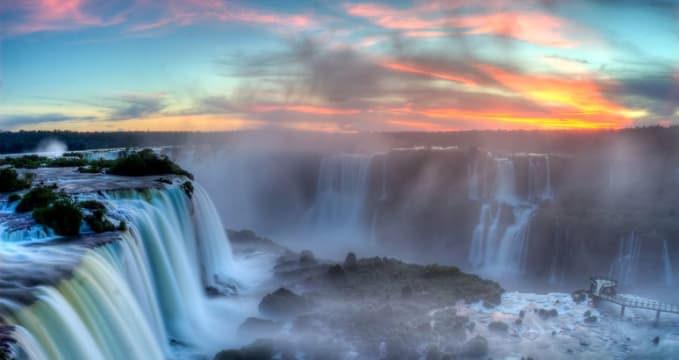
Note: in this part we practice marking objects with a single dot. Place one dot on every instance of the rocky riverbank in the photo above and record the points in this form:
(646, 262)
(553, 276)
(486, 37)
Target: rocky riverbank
(381, 308)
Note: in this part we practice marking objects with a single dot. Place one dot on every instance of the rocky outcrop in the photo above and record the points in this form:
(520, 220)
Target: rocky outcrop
(284, 303)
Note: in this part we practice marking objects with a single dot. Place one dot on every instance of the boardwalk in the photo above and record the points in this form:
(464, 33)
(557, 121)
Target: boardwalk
(605, 289)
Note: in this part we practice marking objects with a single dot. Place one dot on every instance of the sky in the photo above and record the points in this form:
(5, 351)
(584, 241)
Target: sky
(338, 66)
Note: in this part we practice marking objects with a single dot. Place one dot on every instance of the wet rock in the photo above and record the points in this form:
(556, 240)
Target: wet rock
(283, 303)
(259, 350)
(522, 313)
(475, 347)
(212, 291)
(350, 262)
(259, 327)
(335, 273)
(307, 258)
(656, 340)
(518, 322)
(591, 319)
(579, 296)
(547, 314)
(498, 326)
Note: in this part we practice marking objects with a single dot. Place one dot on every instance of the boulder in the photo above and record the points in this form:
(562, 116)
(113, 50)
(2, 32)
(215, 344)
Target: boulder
(335, 273)
(350, 262)
(283, 303)
(259, 350)
(307, 258)
(579, 296)
(475, 347)
(498, 326)
(547, 314)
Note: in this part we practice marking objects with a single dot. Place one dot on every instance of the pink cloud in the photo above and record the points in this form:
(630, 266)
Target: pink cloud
(428, 20)
(532, 27)
(187, 12)
(42, 15)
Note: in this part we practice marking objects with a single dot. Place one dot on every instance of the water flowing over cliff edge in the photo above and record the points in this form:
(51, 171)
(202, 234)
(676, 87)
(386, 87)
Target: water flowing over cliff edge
(139, 293)
(551, 217)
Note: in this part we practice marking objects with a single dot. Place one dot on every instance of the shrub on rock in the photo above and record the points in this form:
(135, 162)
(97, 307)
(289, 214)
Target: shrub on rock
(10, 181)
(37, 197)
(145, 162)
(63, 216)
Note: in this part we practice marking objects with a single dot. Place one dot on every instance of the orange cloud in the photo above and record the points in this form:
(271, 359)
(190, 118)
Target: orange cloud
(583, 95)
(430, 73)
(517, 118)
(420, 125)
(309, 109)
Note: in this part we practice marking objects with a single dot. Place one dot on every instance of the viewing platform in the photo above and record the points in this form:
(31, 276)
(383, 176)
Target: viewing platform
(606, 290)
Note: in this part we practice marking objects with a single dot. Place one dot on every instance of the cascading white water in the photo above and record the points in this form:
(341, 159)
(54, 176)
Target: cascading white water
(92, 315)
(539, 178)
(341, 195)
(498, 246)
(667, 265)
(626, 265)
(133, 296)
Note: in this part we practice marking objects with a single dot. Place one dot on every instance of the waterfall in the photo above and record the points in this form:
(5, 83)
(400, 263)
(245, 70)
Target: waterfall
(667, 263)
(499, 239)
(133, 295)
(626, 265)
(539, 178)
(92, 315)
(342, 193)
(549, 193)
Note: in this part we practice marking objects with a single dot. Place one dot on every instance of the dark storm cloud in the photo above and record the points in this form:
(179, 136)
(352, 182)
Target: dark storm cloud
(136, 106)
(13, 121)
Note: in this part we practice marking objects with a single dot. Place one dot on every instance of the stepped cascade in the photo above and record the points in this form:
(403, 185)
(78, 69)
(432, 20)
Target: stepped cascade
(138, 293)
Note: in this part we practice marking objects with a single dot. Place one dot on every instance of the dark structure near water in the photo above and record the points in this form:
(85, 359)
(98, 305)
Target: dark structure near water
(606, 289)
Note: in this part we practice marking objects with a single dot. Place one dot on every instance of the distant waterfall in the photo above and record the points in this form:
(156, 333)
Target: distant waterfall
(342, 193)
(539, 178)
(499, 238)
(626, 265)
(131, 297)
(667, 263)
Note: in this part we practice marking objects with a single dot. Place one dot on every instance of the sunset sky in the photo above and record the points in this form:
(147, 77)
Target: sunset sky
(339, 66)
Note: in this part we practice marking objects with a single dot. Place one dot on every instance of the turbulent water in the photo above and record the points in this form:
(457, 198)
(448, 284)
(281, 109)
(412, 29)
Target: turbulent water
(499, 245)
(128, 296)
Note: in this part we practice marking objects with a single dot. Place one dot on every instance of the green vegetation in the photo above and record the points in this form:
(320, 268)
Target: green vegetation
(130, 163)
(63, 216)
(188, 188)
(38, 197)
(10, 181)
(92, 205)
(145, 162)
(35, 161)
(98, 223)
